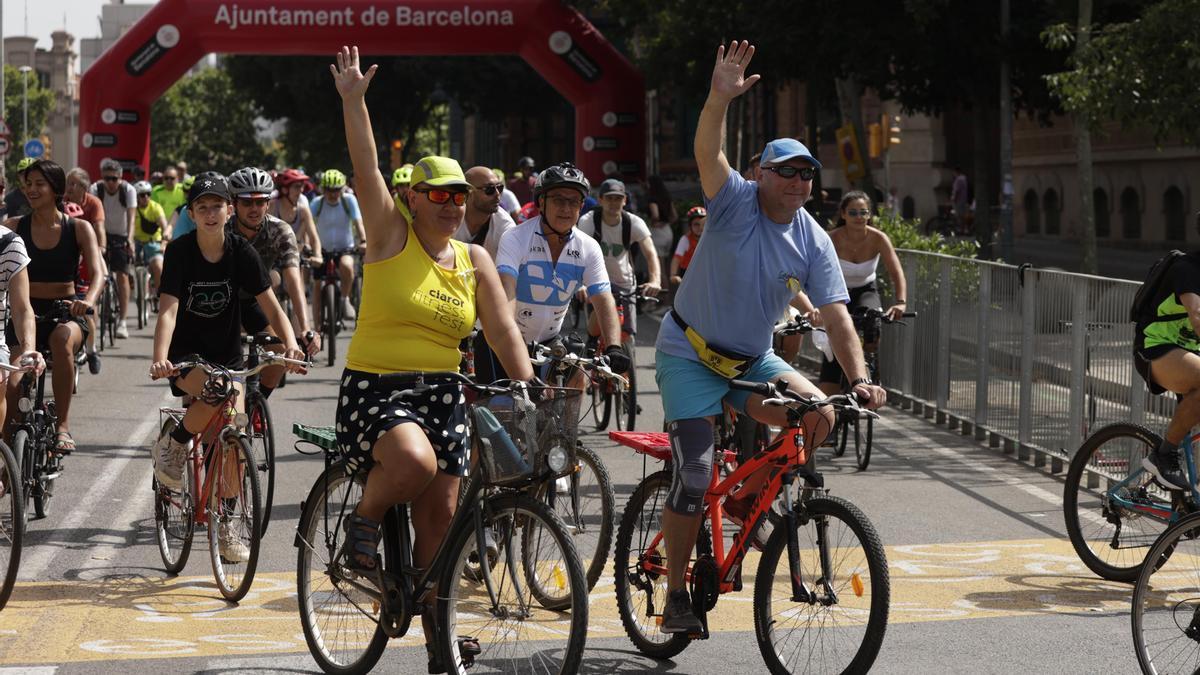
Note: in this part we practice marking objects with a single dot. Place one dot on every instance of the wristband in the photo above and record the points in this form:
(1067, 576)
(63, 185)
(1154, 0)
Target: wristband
(859, 380)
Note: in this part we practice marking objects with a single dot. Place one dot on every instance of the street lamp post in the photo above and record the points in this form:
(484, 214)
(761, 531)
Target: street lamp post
(25, 99)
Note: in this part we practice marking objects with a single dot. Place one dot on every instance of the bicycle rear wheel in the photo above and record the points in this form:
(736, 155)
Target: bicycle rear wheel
(511, 627)
(838, 625)
(329, 310)
(262, 443)
(340, 618)
(139, 278)
(11, 522)
(234, 519)
(1111, 539)
(640, 568)
(584, 502)
(1166, 602)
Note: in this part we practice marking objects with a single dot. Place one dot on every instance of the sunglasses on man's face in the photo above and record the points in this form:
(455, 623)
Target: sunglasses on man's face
(491, 189)
(443, 196)
(253, 201)
(790, 172)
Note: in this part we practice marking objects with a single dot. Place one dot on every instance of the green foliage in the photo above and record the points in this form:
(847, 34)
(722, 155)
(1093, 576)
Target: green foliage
(41, 102)
(906, 234)
(207, 121)
(1141, 73)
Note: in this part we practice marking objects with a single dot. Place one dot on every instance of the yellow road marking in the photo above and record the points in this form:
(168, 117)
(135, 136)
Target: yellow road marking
(132, 616)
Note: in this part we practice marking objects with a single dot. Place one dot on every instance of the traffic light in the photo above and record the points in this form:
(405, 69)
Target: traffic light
(874, 140)
(397, 148)
(892, 124)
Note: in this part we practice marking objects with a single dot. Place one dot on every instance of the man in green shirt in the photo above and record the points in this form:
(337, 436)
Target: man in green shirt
(170, 195)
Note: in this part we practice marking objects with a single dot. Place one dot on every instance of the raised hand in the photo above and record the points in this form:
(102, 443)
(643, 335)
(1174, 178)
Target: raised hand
(729, 74)
(351, 82)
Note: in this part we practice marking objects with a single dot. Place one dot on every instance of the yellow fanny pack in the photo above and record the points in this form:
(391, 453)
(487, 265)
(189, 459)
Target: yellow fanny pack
(727, 364)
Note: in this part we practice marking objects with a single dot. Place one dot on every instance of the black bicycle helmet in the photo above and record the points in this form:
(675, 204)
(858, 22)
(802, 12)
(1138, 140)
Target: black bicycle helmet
(561, 175)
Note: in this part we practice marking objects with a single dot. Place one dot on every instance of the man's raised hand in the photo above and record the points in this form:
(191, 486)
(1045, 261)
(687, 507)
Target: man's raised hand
(729, 74)
(351, 82)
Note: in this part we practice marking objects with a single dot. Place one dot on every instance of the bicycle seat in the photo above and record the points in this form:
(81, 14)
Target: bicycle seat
(322, 437)
(657, 444)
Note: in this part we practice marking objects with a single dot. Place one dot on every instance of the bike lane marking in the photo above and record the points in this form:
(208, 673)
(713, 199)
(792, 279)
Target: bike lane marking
(131, 616)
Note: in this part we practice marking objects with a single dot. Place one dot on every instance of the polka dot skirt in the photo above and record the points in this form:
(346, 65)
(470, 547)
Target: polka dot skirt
(368, 408)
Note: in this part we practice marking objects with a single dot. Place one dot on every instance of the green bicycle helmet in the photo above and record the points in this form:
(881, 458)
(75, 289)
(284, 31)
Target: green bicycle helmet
(333, 179)
(402, 176)
(187, 182)
(25, 163)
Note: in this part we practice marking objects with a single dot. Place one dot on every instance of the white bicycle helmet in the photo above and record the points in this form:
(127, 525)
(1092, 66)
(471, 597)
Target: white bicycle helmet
(142, 187)
(251, 182)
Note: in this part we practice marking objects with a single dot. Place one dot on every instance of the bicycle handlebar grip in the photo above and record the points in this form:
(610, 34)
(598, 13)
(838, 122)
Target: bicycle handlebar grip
(909, 315)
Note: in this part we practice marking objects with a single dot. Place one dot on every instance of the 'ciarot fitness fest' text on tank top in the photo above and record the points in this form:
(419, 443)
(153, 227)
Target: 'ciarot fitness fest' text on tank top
(448, 310)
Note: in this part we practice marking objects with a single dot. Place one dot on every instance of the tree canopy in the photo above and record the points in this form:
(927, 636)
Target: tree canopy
(41, 102)
(207, 121)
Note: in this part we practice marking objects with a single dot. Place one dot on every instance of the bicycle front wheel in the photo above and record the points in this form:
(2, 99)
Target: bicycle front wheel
(584, 501)
(835, 621)
(340, 617)
(630, 395)
(262, 443)
(514, 632)
(139, 278)
(23, 450)
(175, 518)
(329, 308)
(1166, 602)
(1110, 502)
(11, 520)
(863, 431)
(602, 402)
(234, 522)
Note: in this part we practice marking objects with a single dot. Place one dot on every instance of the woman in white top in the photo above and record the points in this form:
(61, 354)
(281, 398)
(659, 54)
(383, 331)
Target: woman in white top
(860, 247)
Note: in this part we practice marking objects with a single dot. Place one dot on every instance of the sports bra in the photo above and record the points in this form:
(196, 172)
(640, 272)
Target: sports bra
(53, 265)
(295, 215)
(859, 274)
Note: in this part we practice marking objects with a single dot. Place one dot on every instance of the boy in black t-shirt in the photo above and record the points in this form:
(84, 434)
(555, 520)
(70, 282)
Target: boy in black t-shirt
(199, 314)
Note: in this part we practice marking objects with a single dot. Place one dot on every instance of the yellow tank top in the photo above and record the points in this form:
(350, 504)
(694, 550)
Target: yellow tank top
(414, 312)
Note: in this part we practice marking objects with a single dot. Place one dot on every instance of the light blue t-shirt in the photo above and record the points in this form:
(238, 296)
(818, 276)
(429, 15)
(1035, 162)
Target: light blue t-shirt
(183, 224)
(333, 221)
(745, 271)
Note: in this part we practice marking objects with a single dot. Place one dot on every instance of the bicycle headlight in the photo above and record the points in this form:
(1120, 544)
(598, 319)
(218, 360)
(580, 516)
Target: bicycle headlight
(241, 420)
(25, 405)
(556, 459)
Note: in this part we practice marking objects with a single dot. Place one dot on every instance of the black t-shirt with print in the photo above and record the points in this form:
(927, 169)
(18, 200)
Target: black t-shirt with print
(209, 321)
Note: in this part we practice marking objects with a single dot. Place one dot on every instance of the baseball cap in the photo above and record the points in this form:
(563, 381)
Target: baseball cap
(438, 172)
(783, 149)
(209, 185)
(612, 186)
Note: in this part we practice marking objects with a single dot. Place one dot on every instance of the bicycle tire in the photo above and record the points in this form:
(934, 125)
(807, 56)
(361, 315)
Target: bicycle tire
(318, 538)
(329, 310)
(592, 554)
(862, 441)
(618, 402)
(233, 586)
(43, 487)
(631, 394)
(1118, 448)
(505, 512)
(601, 403)
(139, 278)
(842, 430)
(11, 522)
(262, 443)
(23, 451)
(627, 571)
(175, 521)
(821, 613)
(1168, 601)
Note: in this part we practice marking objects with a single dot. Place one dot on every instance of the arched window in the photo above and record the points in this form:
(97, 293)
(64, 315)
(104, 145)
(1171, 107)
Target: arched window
(1173, 214)
(908, 208)
(1100, 212)
(1033, 215)
(1131, 214)
(1051, 210)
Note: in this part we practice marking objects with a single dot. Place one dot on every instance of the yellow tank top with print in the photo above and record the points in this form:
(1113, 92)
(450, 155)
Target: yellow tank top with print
(414, 312)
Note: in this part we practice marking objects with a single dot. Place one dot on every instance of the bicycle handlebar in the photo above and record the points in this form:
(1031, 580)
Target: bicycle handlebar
(25, 365)
(777, 394)
(871, 313)
(268, 359)
(543, 354)
(516, 388)
(636, 295)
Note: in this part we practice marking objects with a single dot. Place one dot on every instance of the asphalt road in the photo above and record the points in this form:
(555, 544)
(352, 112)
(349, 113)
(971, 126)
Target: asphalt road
(983, 578)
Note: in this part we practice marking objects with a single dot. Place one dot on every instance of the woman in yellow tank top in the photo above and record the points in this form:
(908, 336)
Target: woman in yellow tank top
(421, 294)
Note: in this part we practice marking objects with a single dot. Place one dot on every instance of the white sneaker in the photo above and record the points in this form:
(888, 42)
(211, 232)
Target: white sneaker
(122, 329)
(231, 545)
(169, 456)
(348, 309)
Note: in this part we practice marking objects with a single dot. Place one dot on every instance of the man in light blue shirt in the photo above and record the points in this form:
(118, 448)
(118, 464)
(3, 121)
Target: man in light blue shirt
(759, 249)
(340, 227)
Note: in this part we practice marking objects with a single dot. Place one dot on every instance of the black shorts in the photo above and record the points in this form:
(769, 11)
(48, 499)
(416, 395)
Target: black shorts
(366, 411)
(119, 259)
(254, 320)
(863, 296)
(43, 329)
(1142, 356)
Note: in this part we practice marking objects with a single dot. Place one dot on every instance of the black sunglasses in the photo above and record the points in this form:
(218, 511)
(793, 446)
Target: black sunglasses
(790, 172)
(491, 189)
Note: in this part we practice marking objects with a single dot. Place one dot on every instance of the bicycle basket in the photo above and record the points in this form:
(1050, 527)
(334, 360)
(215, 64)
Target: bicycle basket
(517, 440)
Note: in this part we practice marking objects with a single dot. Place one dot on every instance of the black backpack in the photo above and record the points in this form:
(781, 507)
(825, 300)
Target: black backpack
(1144, 309)
(97, 190)
(626, 226)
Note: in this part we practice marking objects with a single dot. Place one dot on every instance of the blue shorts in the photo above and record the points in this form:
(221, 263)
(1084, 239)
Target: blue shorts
(690, 390)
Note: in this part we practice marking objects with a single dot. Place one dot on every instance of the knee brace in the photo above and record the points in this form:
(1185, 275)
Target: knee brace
(692, 457)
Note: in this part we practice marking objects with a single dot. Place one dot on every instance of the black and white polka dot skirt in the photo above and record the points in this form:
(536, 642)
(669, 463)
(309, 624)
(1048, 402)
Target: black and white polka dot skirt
(368, 406)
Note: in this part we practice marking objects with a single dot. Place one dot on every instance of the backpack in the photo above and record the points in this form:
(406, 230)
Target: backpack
(98, 191)
(626, 226)
(1144, 310)
(320, 202)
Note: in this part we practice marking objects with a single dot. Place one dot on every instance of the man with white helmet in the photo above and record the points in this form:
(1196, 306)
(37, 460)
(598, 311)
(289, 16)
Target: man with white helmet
(275, 243)
(150, 231)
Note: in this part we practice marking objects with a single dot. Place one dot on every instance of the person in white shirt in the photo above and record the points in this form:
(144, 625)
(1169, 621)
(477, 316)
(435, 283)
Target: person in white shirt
(484, 222)
(618, 233)
(120, 210)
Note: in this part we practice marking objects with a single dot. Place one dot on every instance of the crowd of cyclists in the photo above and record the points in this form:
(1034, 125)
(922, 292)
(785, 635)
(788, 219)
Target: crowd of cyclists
(449, 259)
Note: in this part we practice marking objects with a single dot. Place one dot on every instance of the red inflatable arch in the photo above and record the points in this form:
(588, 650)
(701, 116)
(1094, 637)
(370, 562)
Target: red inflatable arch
(606, 90)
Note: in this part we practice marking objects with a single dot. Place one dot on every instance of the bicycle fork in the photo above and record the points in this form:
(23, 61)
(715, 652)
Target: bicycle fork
(800, 593)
